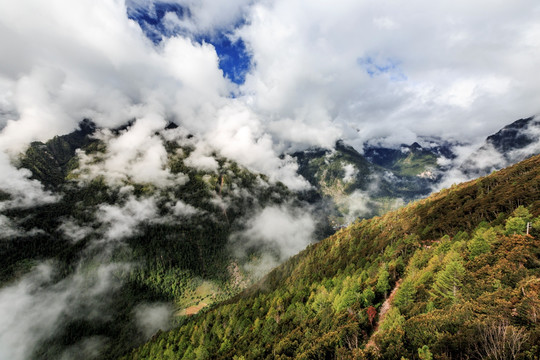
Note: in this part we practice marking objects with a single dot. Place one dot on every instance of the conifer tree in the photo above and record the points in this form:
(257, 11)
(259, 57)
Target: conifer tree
(448, 281)
(383, 284)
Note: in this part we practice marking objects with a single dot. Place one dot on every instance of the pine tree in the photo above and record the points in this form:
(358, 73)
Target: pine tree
(383, 284)
(405, 294)
(448, 281)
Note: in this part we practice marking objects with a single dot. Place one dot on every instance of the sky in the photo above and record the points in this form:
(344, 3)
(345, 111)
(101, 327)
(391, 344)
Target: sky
(256, 79)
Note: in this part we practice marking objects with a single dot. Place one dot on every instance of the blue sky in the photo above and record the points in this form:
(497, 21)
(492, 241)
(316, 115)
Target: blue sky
(234, 60)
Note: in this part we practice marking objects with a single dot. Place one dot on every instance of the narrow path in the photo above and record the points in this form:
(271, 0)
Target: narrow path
(387, 304)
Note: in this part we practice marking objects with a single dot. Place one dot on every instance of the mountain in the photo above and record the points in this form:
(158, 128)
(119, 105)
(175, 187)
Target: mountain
(142, 229)
(511, 144)
(411, 160)
(450, 276)
(360, 186)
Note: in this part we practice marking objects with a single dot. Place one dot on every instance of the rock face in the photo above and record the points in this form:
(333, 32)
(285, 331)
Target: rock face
(518, 135)
(511, 144)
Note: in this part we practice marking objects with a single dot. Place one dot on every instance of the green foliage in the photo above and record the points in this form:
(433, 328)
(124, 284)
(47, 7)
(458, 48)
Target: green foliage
(392, 320)
(405, 295)
(186, 261)
(424, 353)
(321, 303)
(481, 242)
(517, 224)
(449, 280)
(368, 296)
(383, 284)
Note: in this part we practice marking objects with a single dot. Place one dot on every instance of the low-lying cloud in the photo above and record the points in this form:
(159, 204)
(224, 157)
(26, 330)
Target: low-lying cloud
(22, 191)
(280, 230)
(34, 308)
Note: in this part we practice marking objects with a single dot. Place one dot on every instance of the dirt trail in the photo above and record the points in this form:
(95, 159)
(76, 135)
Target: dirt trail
(382, 314)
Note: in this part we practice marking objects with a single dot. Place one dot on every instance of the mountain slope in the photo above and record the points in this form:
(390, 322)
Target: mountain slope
(411, 160)
(468, 276)
(513, 143)
(356, 187)
(129, 245)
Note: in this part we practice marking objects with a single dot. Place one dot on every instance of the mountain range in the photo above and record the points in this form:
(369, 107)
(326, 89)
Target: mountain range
(123, 248)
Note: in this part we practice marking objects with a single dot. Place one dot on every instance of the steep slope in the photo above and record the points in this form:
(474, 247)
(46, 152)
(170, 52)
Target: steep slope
(513, 143)
(470, 285)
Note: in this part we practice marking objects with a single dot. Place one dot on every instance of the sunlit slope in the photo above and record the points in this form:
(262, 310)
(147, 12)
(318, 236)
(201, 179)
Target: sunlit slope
(467, 275)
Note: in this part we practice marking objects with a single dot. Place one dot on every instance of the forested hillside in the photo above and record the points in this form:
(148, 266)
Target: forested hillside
(123, 248)
(456, 272)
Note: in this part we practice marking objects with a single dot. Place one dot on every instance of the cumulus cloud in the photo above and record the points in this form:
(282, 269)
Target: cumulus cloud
(10, 229)
(532, 133)
(387, 67)
(136, 155)
(205, 16)
(319, 72)
(240, 135)
(350, 172)
(280, 231)
(202, 159)
(153, 317)
(477, 160)
(180, 208)
(74, 231)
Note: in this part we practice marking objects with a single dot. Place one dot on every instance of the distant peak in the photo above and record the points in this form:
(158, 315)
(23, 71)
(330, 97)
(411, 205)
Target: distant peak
(87, 126)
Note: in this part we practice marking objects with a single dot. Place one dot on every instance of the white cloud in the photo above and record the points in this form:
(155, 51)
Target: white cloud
(201, 158)
(386, 23)
(240, 135)
(320, 71)
(350, 172)
(9, 229)
(23, 191)
(153, 317)
(281, 228)
(441, 73)
(72, 230)
(208, 16)
(33, 308)
(180, 208)
(136, 155)
(121, 221)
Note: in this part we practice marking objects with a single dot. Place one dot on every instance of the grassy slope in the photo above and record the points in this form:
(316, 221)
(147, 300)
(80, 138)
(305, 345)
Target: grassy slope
(323, 302)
